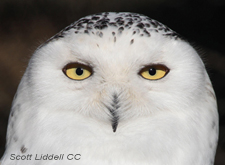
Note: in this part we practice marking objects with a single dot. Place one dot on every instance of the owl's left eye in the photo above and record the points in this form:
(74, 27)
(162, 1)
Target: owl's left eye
(154, 72)
(77, 71)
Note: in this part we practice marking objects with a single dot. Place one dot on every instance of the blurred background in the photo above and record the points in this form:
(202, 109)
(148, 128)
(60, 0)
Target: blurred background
(25, 24)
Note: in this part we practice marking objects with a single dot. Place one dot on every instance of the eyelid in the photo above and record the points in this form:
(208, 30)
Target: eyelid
(75, 64)
(154, 65)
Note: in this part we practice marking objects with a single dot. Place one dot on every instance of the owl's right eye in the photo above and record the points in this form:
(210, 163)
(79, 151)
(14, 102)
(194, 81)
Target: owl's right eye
(77, 71)
(154, 72)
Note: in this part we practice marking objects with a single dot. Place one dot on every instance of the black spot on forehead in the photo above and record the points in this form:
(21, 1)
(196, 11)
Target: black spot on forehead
(118, 19)
(147, 25)
(95, 18)
(83, 20)
(140, 25)
(86, 31)
(146, 32)
(121, 29)
(133, 22)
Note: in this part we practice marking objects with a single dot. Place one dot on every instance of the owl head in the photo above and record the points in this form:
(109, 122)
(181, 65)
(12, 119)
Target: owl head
(115, 76)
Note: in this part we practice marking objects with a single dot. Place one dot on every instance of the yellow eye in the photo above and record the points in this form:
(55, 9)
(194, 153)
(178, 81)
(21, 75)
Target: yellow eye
(154, 72)
(77, 71)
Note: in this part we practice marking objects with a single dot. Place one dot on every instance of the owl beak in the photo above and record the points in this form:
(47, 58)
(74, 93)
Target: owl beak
(113, 112)
(115, 123)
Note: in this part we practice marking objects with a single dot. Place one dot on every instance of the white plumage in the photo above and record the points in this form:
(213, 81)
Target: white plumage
(114, 89)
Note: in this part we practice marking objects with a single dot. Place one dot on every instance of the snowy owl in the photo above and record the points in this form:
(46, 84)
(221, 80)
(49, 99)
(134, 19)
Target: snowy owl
(113, 89)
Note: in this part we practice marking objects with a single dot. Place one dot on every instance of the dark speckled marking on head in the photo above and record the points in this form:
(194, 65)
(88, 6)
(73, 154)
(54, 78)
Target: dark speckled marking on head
(147, 25)
(95, 18)
(146, 32)
(121, 29)
(86, 31)
(136, 23)
(140, 25)
(132, 41)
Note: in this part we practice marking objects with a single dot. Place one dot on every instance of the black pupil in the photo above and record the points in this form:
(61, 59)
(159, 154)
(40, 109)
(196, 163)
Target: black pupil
(79, 71)
(152, 71)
